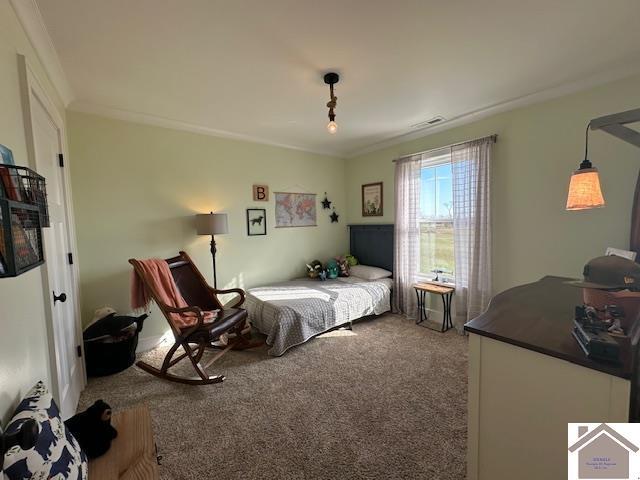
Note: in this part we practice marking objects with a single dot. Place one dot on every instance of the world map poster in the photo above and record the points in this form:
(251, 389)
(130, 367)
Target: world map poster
(295, 209)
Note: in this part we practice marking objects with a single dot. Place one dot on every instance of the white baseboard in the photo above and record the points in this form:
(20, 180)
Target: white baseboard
(149, 343)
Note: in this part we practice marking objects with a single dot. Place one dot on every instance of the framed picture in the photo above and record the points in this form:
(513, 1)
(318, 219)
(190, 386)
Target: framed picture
(256, 221)
(295, 209)
(372, 200)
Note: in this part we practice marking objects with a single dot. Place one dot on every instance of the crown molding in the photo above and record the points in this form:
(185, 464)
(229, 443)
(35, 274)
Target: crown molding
(31, 20)
(592, 81)
(610, 75)
(156, 121)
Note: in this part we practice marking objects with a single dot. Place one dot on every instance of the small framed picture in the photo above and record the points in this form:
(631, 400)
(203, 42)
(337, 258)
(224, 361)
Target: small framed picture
(372, 200)
(256, 221)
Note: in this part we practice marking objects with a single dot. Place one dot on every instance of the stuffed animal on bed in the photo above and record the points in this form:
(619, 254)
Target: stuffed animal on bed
(332, 269)
(314, 269)
(343, 265)
(351, 259)
(92, 428)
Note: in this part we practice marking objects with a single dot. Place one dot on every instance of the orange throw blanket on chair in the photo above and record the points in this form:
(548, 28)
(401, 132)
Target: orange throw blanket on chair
(159, 276)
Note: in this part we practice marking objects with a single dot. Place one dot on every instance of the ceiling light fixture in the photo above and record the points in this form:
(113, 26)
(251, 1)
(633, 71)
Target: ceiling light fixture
(331, 79)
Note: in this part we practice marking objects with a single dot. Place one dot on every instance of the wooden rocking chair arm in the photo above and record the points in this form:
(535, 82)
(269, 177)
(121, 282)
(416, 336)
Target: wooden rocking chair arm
(192, 309)
(239, 291)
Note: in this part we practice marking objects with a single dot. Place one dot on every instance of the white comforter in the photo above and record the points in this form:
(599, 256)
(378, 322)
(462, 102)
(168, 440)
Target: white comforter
(290, 313)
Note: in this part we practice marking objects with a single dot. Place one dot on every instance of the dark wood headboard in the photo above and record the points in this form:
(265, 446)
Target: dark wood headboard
(372, 245)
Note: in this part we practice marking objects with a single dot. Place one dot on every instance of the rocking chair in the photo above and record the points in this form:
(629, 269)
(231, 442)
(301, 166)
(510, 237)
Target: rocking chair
(196, 338)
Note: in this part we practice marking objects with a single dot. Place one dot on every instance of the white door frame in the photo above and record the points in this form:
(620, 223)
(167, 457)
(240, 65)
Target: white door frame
(33, 91)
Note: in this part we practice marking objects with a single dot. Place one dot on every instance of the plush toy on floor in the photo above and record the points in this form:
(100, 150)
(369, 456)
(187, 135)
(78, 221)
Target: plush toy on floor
(92, 428)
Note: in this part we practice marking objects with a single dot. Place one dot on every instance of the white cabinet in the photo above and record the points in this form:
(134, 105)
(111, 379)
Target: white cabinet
(520, 402)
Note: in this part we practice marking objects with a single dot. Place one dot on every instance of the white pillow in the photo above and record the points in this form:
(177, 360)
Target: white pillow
(369, 273)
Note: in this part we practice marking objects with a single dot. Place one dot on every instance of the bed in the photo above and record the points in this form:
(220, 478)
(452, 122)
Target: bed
(290, 313)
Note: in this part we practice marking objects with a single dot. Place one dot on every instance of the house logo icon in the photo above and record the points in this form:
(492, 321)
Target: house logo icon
(602, 452)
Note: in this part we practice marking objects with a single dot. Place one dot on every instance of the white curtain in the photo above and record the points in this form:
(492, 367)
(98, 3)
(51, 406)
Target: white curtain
(407, 234)
(472, 228)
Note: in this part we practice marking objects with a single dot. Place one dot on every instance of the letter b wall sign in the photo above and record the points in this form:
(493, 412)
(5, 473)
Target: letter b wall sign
(260, 193)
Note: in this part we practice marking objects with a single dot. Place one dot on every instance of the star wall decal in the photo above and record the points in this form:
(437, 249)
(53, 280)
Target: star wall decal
(334, 217)
(326, 203)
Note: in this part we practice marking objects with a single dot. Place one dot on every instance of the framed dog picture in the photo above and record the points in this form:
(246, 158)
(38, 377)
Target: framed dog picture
(256, 221)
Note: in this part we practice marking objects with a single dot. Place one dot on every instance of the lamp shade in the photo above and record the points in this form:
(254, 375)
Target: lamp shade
(211, 223)
(584, 190)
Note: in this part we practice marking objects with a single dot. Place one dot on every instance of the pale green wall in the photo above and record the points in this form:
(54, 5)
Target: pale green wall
(538, 147)
(136, 189)
(24, 357)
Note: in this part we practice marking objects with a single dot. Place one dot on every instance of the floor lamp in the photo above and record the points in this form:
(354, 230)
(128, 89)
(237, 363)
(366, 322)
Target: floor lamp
(212, 224)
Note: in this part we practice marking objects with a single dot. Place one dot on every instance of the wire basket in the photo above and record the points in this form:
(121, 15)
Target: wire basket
(23, 185)
(20, 238)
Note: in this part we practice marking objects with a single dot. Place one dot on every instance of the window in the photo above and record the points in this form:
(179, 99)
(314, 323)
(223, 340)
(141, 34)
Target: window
(436, 217)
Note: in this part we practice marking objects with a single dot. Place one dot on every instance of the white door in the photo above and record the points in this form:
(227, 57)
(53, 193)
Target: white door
(47, 147)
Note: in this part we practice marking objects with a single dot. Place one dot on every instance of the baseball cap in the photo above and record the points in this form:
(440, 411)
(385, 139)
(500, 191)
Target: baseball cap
(610, 272)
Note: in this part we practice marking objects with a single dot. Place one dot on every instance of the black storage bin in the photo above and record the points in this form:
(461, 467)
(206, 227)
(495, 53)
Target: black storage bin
(110, 344)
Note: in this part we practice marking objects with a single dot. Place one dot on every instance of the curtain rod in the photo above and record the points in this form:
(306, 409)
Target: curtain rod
(493, 137)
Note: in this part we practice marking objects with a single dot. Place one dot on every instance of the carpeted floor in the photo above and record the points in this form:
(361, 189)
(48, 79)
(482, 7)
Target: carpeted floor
(387, 401)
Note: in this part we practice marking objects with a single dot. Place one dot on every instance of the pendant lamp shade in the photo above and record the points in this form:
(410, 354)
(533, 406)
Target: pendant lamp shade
(584, 190)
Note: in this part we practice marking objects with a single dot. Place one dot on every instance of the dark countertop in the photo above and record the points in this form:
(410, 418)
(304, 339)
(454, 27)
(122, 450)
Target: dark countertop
(539, 317)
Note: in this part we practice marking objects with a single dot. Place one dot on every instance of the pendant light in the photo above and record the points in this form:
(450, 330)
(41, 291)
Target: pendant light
(584, 186)
(331, 79)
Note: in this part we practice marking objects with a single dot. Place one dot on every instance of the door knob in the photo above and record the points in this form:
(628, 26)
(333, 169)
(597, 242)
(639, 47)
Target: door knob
(59, 298)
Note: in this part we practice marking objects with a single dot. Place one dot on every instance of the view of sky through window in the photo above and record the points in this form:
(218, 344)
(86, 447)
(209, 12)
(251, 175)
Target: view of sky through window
(436, 199)
(436, 224)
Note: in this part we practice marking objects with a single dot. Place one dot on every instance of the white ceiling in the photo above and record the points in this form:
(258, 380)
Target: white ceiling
(253, 68)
